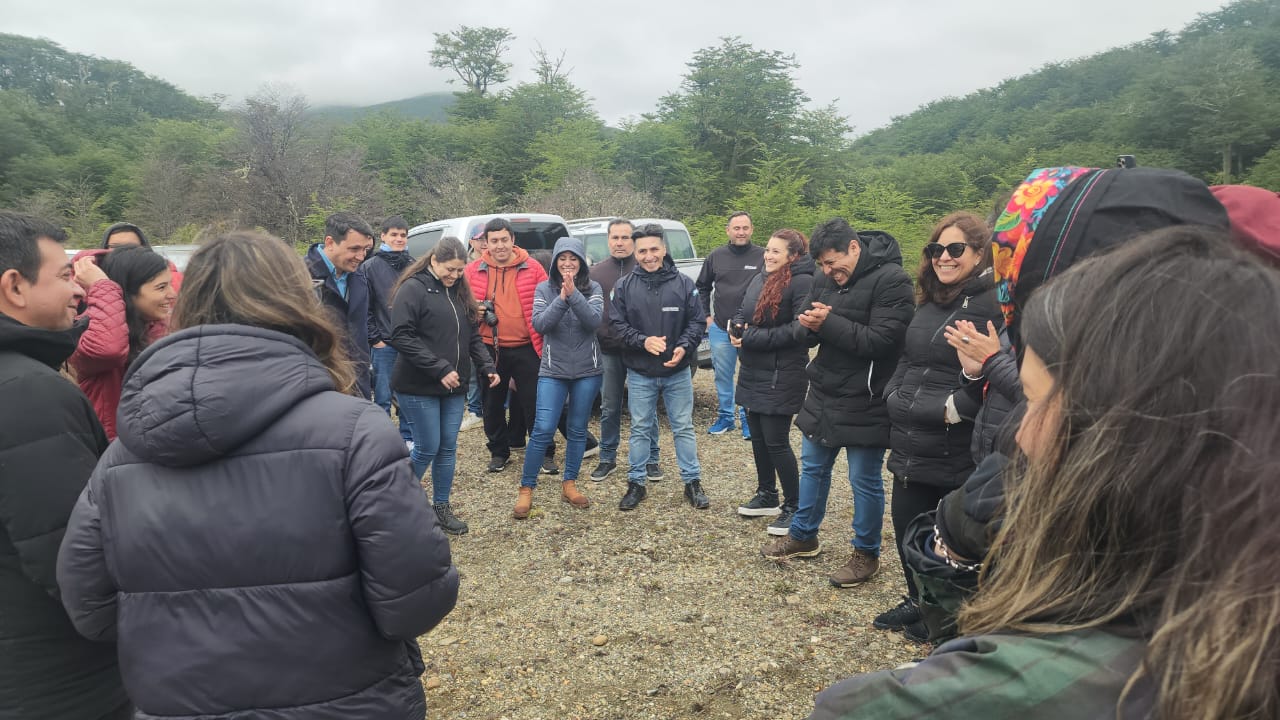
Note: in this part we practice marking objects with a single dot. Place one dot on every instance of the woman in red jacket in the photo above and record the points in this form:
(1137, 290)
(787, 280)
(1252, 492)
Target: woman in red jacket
(128, 294)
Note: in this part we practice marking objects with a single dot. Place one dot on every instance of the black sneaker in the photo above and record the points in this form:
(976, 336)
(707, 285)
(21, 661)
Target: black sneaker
(603, 470)
(693, 493)
(762, 504)
(497, 464)
(917, 632)
(635, 493)
(549, 466)
(781, 525)
(653, 472)
(448, 521)
(900, 616)
(593, 446)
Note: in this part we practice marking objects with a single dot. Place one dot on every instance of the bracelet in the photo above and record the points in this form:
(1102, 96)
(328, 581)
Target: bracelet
(971, 379)
(946, 555)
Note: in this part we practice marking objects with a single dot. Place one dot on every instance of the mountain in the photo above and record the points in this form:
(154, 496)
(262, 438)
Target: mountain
(429, 106)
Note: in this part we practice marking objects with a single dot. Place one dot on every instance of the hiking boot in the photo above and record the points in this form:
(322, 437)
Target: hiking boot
(899, 617)
(569, 493)
(497, 464)
(781, 525)
(787, 547)
(549, 466)
(693, 493)
(762, 504)
(860, 568)
(635, 493)
(448, 521)
(593, 446)
(720, 426)
(917, 632)
(524, 503)
(603, 470)
(653, 472)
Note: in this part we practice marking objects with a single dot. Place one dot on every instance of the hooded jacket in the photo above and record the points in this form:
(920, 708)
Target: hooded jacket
(724, 277)
(772, 379)
(570, 349)
(50, 440)
(923, 447)
(256, 539)
(858, 347)
(176, 279)
(526, 276)
(607, 272)
(381, 272)
(434, 336)
(660, 303)
(351, 313)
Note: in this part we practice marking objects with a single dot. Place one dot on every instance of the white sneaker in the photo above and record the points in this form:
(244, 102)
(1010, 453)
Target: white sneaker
(470, 420)
(409, 444)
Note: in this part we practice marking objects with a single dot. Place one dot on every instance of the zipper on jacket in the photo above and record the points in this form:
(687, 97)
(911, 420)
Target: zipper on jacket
(457, 338)
(871, 370)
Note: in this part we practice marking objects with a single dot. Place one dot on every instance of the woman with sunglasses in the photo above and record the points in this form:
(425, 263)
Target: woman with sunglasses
(932, 422)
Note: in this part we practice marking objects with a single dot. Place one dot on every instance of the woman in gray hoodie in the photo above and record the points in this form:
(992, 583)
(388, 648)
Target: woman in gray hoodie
(566, 311)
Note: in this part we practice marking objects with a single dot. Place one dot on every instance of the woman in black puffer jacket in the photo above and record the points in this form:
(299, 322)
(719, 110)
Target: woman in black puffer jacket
(929, 441)
(772, 381)
(255, 539)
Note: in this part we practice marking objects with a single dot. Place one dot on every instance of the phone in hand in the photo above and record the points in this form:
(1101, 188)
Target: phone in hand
(736, 329)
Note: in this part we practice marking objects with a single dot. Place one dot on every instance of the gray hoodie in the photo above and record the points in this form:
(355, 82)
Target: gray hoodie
(570, 348)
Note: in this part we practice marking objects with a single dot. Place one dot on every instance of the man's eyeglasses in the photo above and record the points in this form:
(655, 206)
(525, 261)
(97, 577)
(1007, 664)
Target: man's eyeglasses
(933, 251)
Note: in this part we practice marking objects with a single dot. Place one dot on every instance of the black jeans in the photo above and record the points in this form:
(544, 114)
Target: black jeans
(521, 364)
(909, 500)
(771, 447)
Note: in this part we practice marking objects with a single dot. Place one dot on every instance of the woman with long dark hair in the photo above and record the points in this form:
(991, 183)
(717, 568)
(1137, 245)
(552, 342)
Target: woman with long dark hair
(255, 539)
(433, 327)
(128, 298)
(929, 452)
(772, 381)
(1134, 573)
(566, 311)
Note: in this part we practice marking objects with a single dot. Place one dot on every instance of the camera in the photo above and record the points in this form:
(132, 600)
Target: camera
(487, 311)
(735, 329)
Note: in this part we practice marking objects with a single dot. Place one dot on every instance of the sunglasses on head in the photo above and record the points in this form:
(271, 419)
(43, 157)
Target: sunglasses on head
(933, 251)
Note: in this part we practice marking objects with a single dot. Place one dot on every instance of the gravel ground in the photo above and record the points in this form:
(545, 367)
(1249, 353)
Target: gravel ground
(663, 612)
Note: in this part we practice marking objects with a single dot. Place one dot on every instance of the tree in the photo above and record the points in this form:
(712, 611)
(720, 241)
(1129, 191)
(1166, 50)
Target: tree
(474, 54)
(586, 193)
(275, 161)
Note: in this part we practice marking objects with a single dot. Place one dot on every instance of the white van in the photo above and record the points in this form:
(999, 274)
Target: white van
(534, 231)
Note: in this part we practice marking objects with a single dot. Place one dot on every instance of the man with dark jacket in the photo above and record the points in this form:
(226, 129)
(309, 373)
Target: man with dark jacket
(381, 272)
(50, 440)
(858, 316)
(657, 319)
(607, 272)
(722, 284)
(343, 288)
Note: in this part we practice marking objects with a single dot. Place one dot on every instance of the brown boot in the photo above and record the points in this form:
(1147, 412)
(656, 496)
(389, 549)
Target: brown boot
(524, 503)
(860, 568)
(570, 494)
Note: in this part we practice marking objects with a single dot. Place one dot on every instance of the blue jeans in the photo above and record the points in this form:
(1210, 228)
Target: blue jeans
(614, 380)
(677, 394)
(383, 360)
(473, 396)
(434, 420)
(816, 461)
(551, 394)
(724, 363)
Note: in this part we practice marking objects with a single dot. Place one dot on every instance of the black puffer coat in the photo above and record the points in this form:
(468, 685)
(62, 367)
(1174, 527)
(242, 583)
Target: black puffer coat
(997, 393)
(434, 336)
(923, 447)
(858, 348)
(256, 540)
(771, 379)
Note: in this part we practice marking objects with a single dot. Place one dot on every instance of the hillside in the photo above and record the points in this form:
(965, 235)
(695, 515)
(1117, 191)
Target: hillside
(429, 106)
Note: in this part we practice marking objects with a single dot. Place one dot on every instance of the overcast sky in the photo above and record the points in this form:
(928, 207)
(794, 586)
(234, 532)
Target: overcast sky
(875, 59)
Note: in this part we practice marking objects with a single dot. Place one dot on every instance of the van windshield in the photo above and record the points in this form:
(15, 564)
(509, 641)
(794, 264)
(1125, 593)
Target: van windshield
(531, 235)
(679, 245)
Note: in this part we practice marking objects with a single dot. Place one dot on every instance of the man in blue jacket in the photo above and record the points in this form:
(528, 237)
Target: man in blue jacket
(343, 288)
(658, 320)
(381, 271)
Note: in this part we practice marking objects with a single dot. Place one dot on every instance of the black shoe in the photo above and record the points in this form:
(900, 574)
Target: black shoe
(549, 466)
(497, 464)
(693, 493)
(448, 521)
(762, 504)
(917, 632)
(781, 525)
(653, 472)
(603, 470)
(593, 446)
(900, 616)
(635, 493)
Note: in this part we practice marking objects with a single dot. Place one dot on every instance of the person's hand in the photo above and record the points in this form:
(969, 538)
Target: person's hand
(494, 379)
(655, 344)
(379, 345)
(711, 320)
(566, 285)
(451, 381)
(736, 340)
(87, 271)
(972, 347)
(676, 356)
(815, 316)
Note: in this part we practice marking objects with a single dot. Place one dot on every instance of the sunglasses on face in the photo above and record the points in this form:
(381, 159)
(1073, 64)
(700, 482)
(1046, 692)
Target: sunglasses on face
(933, 251)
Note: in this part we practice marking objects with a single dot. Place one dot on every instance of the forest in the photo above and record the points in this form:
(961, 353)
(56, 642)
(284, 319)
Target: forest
(85, 141)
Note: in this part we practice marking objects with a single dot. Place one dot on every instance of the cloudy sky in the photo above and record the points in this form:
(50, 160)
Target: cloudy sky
(875, 59)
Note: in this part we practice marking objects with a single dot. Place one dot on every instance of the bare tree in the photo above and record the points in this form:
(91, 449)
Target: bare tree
(276, 161)
(586, 194)
(447, 188)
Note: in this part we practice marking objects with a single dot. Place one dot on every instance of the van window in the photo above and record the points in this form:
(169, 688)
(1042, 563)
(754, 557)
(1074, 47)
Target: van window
(422, 242)
(597, 246)
(679, 244)
(531, 235)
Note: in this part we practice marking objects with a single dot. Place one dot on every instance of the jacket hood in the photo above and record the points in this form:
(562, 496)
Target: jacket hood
(804, 265)
(106, 236)
(575, 246)
(200, 393)
(51, 347)
(878, 248)
(1255, 218)
(518, 255)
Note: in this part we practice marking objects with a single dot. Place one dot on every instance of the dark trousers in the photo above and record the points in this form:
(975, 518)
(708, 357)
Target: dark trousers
(911, 499)
(521, 364)
(775, 460)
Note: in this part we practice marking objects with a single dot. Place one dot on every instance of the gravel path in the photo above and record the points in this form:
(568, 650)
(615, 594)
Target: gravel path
(663, 612)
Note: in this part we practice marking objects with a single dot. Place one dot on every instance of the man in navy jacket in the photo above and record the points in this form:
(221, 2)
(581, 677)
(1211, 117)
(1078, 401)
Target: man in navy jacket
(343, 287)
